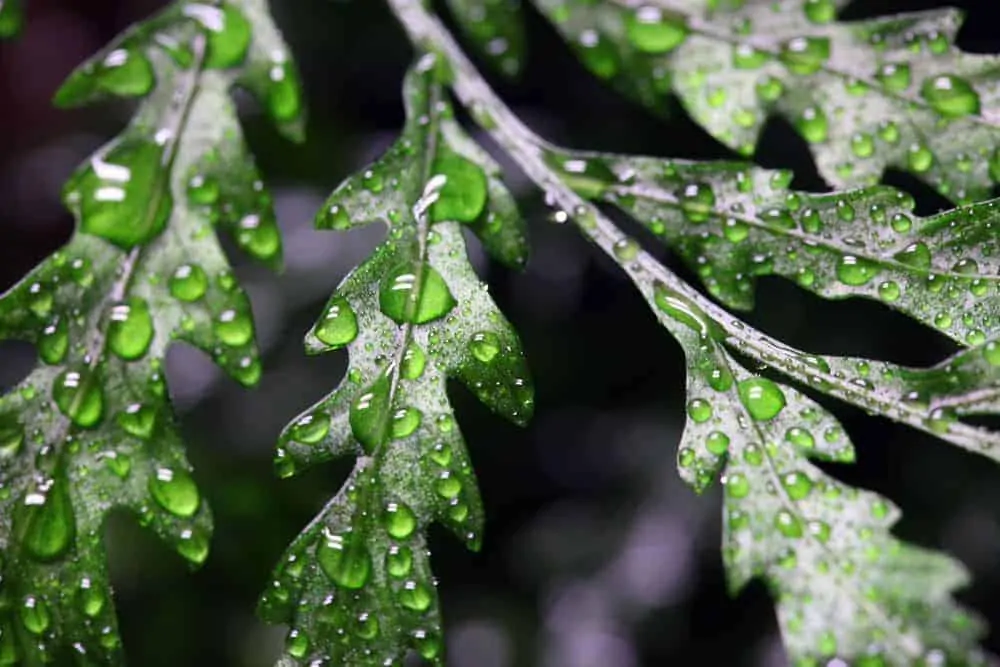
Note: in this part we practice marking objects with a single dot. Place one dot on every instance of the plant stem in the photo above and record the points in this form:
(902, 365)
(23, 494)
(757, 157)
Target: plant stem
(528, 150)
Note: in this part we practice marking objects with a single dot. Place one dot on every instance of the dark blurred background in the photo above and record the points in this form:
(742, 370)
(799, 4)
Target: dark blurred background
(595, 554)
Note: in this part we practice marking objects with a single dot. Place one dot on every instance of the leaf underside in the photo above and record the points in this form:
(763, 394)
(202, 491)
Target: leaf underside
(890, 92)
(356, 586)
(91, 429)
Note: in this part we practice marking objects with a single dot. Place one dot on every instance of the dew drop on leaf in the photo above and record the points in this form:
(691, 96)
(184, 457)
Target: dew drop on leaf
(399, 561)
(399, 521)
(54, 341)
(35, 616)
(130, 330)
(855, 271)
(311, 428)
(463, 196)
(188, 283)
(412, 365)
(79, 396)
(762, 398)
(339, 325)
(951, 96)
(653, 30)
(369, 415)
(234, 327)
(138, 420)
(50, 522)
(485, 346)
(121, 195)
(805, 55)
(415, 294)
(415, 596)
(227, 32)
(125, 71)
(345, 560)
(175, 491)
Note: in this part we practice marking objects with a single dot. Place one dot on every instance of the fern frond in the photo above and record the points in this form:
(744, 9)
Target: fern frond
(91, 429)
(867, 95)
(356, 586)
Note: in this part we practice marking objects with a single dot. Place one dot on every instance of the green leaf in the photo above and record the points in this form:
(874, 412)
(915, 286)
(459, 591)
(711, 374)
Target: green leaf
(91, 429)
(356, 585)
(733, 222)
(496, 27)
(11, 17)
(867, 95)
(844, 586)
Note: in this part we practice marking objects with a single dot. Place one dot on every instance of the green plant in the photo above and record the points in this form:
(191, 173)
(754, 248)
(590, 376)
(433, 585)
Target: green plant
(91, 427)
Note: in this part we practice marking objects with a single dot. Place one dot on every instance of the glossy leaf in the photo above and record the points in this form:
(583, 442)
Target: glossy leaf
(91, 429)
(356, 585)
(869, 95)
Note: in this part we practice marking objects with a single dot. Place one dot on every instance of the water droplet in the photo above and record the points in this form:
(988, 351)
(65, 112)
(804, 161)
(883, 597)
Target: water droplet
(188, 283)
(917, 255)
(123, 194)
(138, 420)
(919, 158)
(366, 626)
(415, 596)
(820, 11)
(54, 341)
(805, 55)
(399, 520)
(485, 346)
(226, 30)
(50, 522)
(463, 196)
(653, 30)
(339, 325)
(788, 524)
(415, 293)
(797, 485)
(124, 71)
(699, 410)
(80, 397)
(855, 271)
(717, 442)
(737, 485)
(234, 327)
(369, 416)
(175, 491)
(800, 438)
(399, 561)
(130, 330)
(697, 201)
(762, 398)
(813, 125)
(92, 598)
(951, 96)
(404, 422)
(311, 428)
(35, 615)
(894, 77)
(345, 560)
(889, 291)
(413, 363)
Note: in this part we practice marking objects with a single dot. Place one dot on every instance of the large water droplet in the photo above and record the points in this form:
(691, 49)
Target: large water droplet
(122, 195)
(124, 71)
(130, 330)
(369, 416)
(415, 293)
(234, 327)
(54, 341)
(345, 560)
(175, 491)
(653, 30)
(188, 282)
(227, 31)
(50, 522)
(855, 271)
(805, 55)
(463, 196)
(399, 520)
(339, 325)
(79, 396)
(951, 96)
(762, 398)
